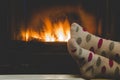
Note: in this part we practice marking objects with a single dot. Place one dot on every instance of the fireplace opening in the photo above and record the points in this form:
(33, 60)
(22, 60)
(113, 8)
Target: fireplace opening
(34, 33)
(50, 20)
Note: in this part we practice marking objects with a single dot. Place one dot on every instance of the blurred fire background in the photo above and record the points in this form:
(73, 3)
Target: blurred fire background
(98, 17)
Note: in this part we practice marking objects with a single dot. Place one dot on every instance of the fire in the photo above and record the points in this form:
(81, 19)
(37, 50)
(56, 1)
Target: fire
(50, 32)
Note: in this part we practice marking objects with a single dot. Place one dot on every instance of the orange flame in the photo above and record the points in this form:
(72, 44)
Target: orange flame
(51, 32)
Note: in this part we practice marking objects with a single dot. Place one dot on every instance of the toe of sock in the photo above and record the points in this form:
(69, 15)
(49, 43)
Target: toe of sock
(75, 29)
(72, 46)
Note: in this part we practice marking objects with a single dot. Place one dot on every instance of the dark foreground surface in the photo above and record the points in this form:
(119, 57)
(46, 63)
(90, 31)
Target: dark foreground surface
(18, 57)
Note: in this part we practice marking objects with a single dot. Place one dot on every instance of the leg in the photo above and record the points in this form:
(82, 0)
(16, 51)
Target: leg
(92, 65)
(107, 48)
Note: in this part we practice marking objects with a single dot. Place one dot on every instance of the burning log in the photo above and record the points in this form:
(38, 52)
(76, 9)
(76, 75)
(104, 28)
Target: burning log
(49, 32)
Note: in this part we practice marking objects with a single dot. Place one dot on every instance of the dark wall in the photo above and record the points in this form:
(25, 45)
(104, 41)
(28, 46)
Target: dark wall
(110, 20)
(9, 10)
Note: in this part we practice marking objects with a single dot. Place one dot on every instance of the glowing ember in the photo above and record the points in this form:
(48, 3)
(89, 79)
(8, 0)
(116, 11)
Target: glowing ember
(51, 32)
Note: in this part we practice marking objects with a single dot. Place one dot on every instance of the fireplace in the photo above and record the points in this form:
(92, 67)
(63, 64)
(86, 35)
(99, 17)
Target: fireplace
(33, 33)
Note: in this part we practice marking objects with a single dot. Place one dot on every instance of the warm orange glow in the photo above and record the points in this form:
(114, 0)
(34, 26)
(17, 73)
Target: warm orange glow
(51, 32)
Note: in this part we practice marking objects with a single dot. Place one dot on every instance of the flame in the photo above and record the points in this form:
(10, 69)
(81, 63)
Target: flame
(51, 32)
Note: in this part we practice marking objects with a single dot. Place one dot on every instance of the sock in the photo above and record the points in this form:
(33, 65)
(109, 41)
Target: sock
(104, 47)
(93, 65)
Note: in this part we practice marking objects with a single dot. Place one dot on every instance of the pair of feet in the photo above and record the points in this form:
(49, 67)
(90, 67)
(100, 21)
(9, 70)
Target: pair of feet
(96, 57)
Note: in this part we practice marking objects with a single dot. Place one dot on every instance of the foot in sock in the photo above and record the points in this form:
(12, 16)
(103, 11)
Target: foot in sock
(92, 65)
(86, 40)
